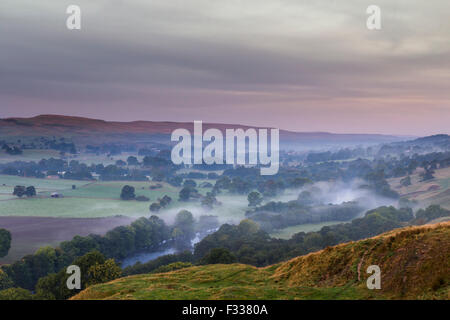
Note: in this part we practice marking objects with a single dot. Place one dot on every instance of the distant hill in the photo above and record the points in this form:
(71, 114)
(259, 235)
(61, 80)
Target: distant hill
(414, 264)
(81, 130)
(438, 142)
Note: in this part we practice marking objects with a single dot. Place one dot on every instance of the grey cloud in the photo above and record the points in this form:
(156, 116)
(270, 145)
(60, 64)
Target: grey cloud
(238, 53)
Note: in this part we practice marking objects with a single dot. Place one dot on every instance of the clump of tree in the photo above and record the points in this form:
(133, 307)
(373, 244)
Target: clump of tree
(21, 191)
(165, 201)
(405, 181)
(218, 256)
(5, 281)
(161, 203)
(188, 193)
(14, 150)
(5, 242)
(94, 268)
(252, 245)
(127, 193)
(427, 174)
(184, 229)
(132, 161)
(254, 199)
(430, 213)
(210, 200)
(155, 207)
(189, 183)
(15, 294)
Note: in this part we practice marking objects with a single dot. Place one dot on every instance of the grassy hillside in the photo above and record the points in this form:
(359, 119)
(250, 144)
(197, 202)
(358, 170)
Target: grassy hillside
(414, 263)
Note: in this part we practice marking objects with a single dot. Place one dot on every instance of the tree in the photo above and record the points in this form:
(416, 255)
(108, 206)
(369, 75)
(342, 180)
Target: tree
(19, 191)
(428, 174)
(155, 207)
(132, 161)
(185, 193)
(254, 199)
(5, 242)
(184, 220)
(248, 226)
(121, 242)
(166, 200)
(15, 294)
(54, 286)
(405, 181)
(5, 281)
(100, 273)
(189, 183)
(30, 191)
(209, 200)
(127, 193)
(121, 163)
(184, 229)
(218, 255)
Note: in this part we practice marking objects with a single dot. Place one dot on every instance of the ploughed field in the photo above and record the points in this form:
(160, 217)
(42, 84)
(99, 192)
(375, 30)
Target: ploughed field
(31, 233)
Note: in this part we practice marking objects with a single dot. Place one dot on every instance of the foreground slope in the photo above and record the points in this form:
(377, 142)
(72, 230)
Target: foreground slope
(414, 262)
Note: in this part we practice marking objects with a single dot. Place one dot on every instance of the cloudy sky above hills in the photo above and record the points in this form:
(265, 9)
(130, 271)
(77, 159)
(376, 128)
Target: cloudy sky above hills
(297, 65)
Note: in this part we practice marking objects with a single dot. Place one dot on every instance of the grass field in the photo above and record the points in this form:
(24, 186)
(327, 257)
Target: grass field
(29, 155)
(93, 199)
(8, 182)
(112, 190)
(287, 233)
(73, 208)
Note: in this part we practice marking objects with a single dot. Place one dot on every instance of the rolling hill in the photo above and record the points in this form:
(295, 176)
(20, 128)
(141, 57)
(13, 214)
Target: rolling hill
(414, 264)
(81, 130)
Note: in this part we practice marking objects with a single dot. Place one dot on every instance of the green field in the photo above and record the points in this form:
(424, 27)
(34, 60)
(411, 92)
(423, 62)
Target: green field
(4, 196)
(8, 182)
(93, 199)
(287, 233)
(73, 208)
(111, 190)
(29, 155)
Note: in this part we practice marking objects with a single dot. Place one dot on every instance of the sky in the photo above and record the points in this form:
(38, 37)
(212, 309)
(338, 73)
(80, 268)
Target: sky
(293, 64)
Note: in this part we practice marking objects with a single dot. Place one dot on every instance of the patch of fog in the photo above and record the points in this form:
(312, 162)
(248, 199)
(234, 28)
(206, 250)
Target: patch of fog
(233, 207)
(287, 195)
(146, 257)
(338, 192)
(231, 210)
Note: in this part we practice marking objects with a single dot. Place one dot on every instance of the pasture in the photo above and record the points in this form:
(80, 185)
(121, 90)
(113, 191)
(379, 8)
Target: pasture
(287, 233)
(90, 199)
